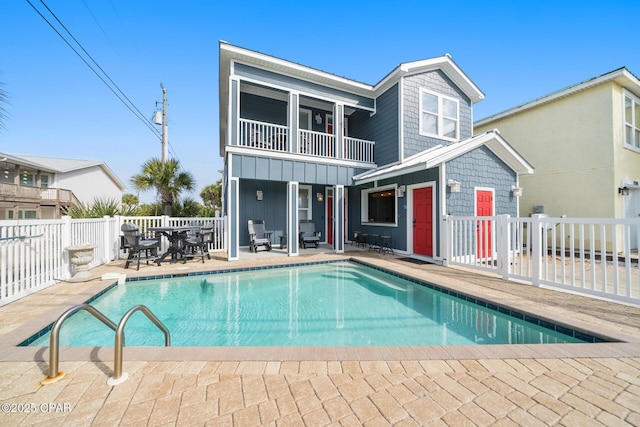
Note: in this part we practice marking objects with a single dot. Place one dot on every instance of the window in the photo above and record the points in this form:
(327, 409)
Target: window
(304, 202)
(27, 179)
(379, 205)
(631, 121)
(438, 115)
(22, 214)
(44, 181)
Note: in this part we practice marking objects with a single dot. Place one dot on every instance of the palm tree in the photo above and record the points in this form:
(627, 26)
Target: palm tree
(167, 179)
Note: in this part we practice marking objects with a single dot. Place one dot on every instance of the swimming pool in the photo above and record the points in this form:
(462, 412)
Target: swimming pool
(326, 304)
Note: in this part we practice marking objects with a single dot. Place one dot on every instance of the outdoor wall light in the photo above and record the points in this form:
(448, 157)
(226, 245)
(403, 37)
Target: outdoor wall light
(623, 191)
(516, 191)
(319, 197)
(259, 195)
(454, 186)
(319, 118)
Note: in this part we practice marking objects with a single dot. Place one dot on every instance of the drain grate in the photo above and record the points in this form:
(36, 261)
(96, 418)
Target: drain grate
(414, 261)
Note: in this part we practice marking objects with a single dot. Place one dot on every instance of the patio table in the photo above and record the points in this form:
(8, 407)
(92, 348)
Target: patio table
(176, 236)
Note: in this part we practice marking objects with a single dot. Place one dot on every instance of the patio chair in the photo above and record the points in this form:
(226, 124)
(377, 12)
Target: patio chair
(308, 234)
(196, 243)
(257, 235)
(137, 245)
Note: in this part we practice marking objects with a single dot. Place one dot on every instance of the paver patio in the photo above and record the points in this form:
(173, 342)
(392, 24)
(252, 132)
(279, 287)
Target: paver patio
(557, 384)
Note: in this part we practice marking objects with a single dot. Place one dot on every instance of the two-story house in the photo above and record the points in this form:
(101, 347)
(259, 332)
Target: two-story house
(387, 159)
(44, 188)
(584, 141)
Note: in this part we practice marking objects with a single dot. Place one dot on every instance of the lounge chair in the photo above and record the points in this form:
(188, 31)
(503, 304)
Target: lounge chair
(308, 234)
(258, 236)
(137, 245)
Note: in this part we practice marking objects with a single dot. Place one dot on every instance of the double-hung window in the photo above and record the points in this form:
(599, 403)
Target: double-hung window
(631, 121)
(439, 115)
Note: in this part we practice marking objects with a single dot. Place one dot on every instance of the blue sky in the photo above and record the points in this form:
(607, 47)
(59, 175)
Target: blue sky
(514, 51)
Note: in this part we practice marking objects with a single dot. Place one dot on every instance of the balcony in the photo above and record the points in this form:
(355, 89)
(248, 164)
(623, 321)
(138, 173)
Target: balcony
(41, 196)
(272, 137)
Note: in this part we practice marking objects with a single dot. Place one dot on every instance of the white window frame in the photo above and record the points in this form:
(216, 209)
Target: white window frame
(439, 115)
(309, 202)
(364, 210)
(635, 127)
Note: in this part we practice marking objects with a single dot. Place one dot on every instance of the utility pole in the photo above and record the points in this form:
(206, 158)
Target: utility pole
(165, 130)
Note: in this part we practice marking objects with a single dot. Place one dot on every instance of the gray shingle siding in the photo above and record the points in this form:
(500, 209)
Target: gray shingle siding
(480, 168)
(438, 82)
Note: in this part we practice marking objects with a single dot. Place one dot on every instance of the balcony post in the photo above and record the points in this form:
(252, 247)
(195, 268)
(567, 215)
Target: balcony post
(338, 130)
(293, 118)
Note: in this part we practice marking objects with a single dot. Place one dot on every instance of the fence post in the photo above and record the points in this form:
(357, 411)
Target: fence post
(504, 242)
(448, 233)
(66, 241)
(536, 249)
(107, 239)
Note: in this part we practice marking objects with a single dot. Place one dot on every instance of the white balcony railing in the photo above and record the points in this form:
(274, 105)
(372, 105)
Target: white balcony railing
(316, 143)
(268, 136)
(262, 135)
(359, 150)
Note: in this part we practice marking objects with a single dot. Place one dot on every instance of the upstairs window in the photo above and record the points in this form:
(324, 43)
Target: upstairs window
(439, 115)
(631, 121)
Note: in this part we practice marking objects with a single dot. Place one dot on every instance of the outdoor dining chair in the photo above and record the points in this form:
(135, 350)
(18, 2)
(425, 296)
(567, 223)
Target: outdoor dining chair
(137, 245)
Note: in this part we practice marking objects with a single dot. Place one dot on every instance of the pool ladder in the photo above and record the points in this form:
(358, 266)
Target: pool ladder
(118, 376)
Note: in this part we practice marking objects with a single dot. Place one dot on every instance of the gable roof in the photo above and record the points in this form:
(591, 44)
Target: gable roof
(621, 76)
(55, 165)
(229, 53)
(441, 154)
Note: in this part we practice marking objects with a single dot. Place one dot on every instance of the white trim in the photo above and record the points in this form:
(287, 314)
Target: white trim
(401, 121)
(409, 215)
(309, 121)
(364, 205)
(475, 199)
(635, 105)
(439, 115)
(235, 149)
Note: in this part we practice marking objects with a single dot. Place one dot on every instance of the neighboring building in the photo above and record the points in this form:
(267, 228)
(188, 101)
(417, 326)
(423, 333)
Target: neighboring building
(585, 144)
(45, 188)
(387, 159)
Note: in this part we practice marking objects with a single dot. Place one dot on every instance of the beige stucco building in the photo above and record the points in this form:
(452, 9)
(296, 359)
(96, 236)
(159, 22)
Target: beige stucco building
(584, 142)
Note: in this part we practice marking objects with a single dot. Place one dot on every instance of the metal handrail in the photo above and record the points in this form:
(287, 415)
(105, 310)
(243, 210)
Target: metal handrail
(119, 340)
(54, 341)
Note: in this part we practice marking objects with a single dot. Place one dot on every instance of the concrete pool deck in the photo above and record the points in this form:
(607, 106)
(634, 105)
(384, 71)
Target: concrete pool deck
(566, 384)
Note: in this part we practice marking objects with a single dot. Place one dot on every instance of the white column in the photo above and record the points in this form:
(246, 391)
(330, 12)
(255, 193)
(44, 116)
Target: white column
(292, 218)
(338, 216)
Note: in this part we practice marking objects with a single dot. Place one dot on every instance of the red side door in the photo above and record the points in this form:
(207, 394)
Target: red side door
(484, 207)
(423, 221)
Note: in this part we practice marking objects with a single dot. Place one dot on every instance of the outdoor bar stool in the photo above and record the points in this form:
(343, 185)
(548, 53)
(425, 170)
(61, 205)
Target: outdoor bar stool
(374, 242)
(385, 244)
(356, 237)
(363, 240)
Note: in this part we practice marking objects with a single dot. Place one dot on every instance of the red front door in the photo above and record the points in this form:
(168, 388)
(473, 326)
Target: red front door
(423, 221)
(484, 207)
(329, 220)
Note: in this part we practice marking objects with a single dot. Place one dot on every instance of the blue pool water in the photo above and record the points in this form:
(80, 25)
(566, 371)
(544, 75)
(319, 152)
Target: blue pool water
(332, 304)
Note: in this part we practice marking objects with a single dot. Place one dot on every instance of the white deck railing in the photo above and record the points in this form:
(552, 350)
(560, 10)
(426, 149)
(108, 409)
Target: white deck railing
(597, 257)
(359, 150)
(263, 135)
(33, 255)
(315, 143)
(271, 137)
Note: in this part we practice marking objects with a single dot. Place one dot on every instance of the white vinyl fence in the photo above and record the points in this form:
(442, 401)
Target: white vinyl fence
(591, 256)
(33, 255)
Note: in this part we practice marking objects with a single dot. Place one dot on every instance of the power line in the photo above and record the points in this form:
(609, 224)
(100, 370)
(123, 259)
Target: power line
(128, 103)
